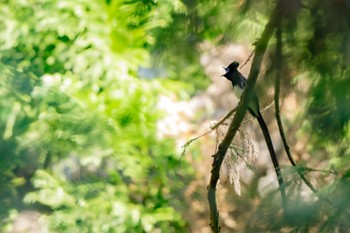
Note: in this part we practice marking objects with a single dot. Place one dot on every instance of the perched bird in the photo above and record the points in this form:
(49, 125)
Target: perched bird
(239, 82)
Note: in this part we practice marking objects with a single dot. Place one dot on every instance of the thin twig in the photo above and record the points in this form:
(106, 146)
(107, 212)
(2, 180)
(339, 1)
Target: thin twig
(307, 169)
(223, 119)
(188, 143)
(250, 56)
(220, 122)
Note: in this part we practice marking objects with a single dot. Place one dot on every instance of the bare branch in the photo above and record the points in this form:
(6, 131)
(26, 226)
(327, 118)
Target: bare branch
(223, 119)
(188, 143)
(250, 56)
(228, 115)
(300, 170)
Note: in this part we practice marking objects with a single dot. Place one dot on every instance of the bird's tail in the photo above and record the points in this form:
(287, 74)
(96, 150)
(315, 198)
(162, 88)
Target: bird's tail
(269, 144)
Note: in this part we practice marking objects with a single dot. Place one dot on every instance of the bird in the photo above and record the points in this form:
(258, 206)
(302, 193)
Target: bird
(239, 82)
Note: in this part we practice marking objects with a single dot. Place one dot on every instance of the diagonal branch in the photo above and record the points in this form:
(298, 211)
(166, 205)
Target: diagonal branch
(260, 48)
(300, 170)
(279, 74)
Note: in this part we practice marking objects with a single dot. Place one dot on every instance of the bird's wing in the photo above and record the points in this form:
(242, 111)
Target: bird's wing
(254, 103)
(242, 81)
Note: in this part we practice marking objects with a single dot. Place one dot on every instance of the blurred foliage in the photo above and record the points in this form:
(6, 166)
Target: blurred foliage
(79, 85)
(179, 46)
(78, 125)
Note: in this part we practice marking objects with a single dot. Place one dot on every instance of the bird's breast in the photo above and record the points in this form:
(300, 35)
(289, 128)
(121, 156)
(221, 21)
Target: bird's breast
(238, 92)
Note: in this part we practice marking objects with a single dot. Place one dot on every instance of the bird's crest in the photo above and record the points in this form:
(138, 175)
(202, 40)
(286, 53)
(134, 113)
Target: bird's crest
(232, 67)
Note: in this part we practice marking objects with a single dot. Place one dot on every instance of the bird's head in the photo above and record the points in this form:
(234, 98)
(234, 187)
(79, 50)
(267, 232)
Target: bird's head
(230, 70)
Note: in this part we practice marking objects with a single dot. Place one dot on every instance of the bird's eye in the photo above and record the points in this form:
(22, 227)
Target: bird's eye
(227, 69)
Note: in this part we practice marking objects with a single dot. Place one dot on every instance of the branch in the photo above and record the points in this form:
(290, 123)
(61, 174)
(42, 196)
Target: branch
(260, 49)
(279, 65)
(220, 122)
(299, 169)
(224, 119)
(188, 143)
(250, 56)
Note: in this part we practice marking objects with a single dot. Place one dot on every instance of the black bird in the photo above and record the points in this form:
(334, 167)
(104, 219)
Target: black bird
(239, 82)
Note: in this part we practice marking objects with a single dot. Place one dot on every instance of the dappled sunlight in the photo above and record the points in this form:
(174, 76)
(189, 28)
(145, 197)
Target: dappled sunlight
(118, 116)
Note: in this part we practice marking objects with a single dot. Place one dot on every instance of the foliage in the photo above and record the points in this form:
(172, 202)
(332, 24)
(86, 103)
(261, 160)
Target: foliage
(78, 122)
